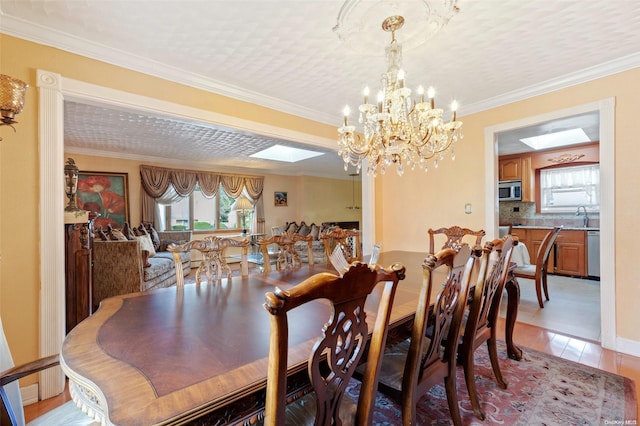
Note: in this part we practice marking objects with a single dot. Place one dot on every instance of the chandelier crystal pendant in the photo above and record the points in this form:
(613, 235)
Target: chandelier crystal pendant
(399, 130)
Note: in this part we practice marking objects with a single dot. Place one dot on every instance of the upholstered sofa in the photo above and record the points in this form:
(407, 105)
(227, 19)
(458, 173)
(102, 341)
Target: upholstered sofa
(119, 266)
(303, 229)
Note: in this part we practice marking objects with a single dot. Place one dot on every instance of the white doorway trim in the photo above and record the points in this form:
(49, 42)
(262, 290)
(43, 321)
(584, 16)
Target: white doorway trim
(606, 108)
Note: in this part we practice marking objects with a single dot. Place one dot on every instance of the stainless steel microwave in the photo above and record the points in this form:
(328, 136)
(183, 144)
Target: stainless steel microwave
(510, 190)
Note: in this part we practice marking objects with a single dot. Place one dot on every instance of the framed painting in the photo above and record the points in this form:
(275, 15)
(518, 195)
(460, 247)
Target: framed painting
(280, 199)
(107, 194)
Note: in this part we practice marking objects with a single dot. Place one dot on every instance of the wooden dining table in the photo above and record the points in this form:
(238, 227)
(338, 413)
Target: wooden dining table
(199, 353)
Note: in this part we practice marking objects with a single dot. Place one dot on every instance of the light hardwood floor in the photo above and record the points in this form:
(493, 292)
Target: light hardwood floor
(526, 336)
(573, 308)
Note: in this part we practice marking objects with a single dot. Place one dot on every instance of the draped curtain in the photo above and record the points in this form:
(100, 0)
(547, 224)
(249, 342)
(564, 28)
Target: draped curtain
(165, 186)
(254, 188)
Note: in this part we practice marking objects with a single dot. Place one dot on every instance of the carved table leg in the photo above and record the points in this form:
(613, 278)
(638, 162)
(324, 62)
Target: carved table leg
(513, 299)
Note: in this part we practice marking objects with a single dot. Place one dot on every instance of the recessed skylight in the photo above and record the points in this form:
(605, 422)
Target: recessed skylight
(558, 139)
(286, 153)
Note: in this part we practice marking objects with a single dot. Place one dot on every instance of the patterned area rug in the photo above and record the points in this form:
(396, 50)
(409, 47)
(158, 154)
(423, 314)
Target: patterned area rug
(542, 390)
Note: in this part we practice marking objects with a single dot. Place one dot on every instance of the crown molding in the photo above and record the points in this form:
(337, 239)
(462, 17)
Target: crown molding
(42, 35)
(615, 66)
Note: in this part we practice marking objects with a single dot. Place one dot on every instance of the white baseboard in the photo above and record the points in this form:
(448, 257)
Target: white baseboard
(629, 347)
(29, 394)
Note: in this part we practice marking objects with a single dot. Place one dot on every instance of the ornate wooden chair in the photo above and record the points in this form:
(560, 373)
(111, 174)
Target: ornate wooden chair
(287, 256)
(480, 325)
(213, 263)
(11, 413)
(337, 351)
(454, 236)
(342, 236)
(410, 368)
(538, 272)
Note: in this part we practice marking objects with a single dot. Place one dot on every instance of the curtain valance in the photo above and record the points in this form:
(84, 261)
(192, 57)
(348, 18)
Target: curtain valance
(156, 182)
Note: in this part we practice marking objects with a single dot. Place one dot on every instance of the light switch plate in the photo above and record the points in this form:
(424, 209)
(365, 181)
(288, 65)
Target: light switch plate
(467, 208)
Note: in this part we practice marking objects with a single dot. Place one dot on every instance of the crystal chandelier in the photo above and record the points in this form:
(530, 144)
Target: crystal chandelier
(399, 130)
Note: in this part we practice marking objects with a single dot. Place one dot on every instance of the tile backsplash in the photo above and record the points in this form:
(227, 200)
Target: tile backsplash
(526, 215)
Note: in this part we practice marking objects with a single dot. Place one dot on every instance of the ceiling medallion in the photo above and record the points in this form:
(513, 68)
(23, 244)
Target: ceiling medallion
(358, 22)
(400, 130)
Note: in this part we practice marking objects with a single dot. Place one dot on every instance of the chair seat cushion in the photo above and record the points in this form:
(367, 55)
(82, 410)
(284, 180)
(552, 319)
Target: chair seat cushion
(392, 368)
(302, 412)
(67, 414)
(393, 362)
(528, 270)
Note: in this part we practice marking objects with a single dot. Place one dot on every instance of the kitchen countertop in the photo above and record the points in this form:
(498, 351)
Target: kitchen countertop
(571, 228)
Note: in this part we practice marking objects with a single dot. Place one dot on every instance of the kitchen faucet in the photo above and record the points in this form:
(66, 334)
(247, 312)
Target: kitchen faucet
(586, 218)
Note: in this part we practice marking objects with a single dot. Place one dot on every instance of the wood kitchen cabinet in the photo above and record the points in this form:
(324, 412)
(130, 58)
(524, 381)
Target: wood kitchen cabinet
(571, 253)
(568, 255)
(518, 167)
(510, 169)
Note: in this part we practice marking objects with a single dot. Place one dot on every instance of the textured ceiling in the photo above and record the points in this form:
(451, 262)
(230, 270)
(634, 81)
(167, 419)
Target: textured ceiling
(285, 55)
(99, 130)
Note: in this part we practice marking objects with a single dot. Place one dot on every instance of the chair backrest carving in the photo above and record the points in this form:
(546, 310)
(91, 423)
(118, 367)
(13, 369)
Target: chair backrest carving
(428, 363)
(341, 236)
(492, 276)
(287, 255)
(342, 339)
(454, 236)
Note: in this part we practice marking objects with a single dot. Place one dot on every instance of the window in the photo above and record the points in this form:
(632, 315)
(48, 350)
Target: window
(564, 189)
(199, 213)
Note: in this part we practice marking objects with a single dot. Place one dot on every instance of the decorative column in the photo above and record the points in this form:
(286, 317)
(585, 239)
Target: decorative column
(52, 275)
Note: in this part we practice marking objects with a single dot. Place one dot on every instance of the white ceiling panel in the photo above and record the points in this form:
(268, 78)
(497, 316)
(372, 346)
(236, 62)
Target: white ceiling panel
(285, 55)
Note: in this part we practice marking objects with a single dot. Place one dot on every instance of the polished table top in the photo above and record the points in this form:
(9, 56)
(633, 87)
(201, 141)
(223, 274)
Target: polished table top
(166, 354)
(171, 355)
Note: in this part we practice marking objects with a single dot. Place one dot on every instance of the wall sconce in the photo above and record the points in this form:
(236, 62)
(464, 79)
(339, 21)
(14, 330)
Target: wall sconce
(12, 92)
(71, 184)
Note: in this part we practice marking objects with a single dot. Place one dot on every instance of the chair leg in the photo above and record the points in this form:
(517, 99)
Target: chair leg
(452, 396)
(495, 365)
(408, 409)
(469, 378)
(539, 292)
(544, 284)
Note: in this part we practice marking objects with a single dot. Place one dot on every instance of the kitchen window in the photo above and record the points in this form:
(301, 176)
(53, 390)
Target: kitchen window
(564, 189)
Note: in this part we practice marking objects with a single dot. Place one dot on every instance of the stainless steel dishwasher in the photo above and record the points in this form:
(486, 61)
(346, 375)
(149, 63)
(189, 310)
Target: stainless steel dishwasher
(593, 254)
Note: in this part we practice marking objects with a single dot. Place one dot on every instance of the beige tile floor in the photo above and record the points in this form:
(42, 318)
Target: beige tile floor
(573, 308)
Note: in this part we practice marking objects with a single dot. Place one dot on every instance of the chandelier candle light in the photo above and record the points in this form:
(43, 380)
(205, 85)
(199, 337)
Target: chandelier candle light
(398, 130)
